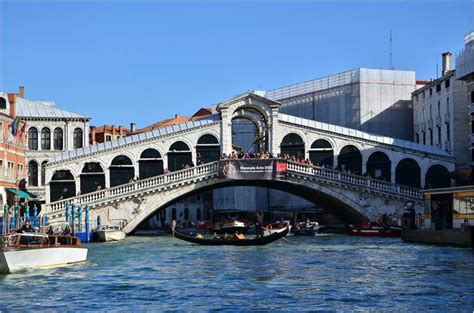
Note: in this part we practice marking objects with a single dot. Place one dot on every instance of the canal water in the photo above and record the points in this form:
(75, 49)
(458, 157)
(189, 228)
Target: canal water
(328, 273)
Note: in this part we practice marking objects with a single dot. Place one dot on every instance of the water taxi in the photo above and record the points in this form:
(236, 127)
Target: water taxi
(23, 251)
(106, 233)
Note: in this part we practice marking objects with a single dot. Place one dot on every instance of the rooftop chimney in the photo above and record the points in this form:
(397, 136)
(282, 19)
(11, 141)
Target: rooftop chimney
(22, 92)
(176, 116)
(133, 127)
(446, 63)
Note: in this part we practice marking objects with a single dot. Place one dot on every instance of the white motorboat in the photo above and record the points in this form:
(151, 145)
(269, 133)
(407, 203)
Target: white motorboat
(229, 227)
(25, 251)
(277, 228)
(106, 233)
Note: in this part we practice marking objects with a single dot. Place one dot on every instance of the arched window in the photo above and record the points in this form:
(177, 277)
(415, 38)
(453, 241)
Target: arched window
(78, 138)
(3, 103)
(321, 153)
(179, 156)
(58, 139)
(207, 149)
(186, 214)
(32, 138)
(379, 166)
(45, 139)
(150, 163)
(43, 172)
(244, 135)
(408, 173)
(437, 176)
(92, 177)
(121, 170)
(62, 185)
(33, 173)
(198, 214)
(173, 214)
(350, 160)
(293, 145)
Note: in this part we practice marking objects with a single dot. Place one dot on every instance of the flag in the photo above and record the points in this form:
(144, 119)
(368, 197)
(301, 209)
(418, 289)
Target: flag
(22, 133)
(15, 125)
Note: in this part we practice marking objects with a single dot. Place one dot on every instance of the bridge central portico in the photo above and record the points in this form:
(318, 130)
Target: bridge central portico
(141, 173)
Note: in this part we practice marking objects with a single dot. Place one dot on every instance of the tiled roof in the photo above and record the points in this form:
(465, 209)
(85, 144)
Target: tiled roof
(360, 134)
(136, 138)
(43, 109)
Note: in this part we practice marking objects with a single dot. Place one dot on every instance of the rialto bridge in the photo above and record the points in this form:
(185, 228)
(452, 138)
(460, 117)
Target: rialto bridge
(131, 178)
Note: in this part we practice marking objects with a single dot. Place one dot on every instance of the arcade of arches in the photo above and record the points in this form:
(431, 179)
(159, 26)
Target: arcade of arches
(151, 163)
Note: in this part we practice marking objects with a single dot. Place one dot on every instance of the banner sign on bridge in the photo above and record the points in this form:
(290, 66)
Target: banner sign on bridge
(266, 169)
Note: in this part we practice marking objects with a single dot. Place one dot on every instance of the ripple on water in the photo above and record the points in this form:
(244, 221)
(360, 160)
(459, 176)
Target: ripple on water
(328, 273)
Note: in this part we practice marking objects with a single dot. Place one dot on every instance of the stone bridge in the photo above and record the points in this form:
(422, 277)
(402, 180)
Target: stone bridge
(351, 196)
(344, 159)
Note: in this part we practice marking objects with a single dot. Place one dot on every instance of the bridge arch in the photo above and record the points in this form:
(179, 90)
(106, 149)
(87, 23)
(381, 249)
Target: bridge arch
(208, 149)
(62, 185)
(293, 145)
(437, 176)
(350, 159)
(379, 166)
(150, 163)
(121, 170)
(321, 153)
(92, 177)
(342, 205)
(179, 154)
(408, 173)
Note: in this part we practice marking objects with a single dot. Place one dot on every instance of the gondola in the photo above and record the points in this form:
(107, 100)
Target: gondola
(260, 241)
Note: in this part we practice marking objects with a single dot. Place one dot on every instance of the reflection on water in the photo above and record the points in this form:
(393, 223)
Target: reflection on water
(326, 272)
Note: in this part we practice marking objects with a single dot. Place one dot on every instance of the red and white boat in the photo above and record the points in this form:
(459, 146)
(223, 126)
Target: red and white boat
(371, 229)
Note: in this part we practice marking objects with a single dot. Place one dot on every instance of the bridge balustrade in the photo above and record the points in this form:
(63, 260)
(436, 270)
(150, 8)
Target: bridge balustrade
(212, 169)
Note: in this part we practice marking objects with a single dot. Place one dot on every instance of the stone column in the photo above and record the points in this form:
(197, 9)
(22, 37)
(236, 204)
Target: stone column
(107, 177)
(226, 132)
(274, 133)
(393, 171)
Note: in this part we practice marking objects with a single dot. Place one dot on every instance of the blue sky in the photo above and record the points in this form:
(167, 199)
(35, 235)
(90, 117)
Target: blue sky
(119, 61)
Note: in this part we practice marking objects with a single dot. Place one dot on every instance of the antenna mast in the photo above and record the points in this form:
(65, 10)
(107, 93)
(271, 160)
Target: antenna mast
(391, 62)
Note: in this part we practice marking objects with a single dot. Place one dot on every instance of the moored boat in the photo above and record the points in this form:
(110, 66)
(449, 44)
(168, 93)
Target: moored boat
(370, 229)
(257, 241)
(277, 227)
(306, 229)
(106, 233)
(230, 227)
(23, 251)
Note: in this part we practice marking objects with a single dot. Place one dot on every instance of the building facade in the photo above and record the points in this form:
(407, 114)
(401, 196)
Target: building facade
(465, 73)
(50, 131)
(12, 150)
(370, 100)
(441, 114)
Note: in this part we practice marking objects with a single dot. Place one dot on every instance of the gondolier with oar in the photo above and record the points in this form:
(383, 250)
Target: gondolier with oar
(259, 225)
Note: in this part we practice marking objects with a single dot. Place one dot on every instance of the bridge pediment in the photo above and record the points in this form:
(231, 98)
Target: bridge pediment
(250, 100)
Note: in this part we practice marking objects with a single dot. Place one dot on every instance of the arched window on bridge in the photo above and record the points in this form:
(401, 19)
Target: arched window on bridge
(62, 185)
(173, 214)
(207, 149)
(379, 166)
(408, 173)
(92, 177)
(33, 173)
(121, 170)
(198, 214)
(179, 156)
(293, 145)
(150, 163)
(437, 176)
(350, 160)
(321, 153)
(244, 135)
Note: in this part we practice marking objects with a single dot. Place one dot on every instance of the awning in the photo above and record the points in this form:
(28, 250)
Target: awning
(21, 193)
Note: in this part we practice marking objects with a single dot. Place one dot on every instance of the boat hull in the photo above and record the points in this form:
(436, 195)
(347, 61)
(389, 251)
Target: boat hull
(394, 233)
(20, 260)
(105, 236)
(231, 242)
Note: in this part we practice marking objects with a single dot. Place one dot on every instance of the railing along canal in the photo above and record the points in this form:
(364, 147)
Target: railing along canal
(212, 169)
